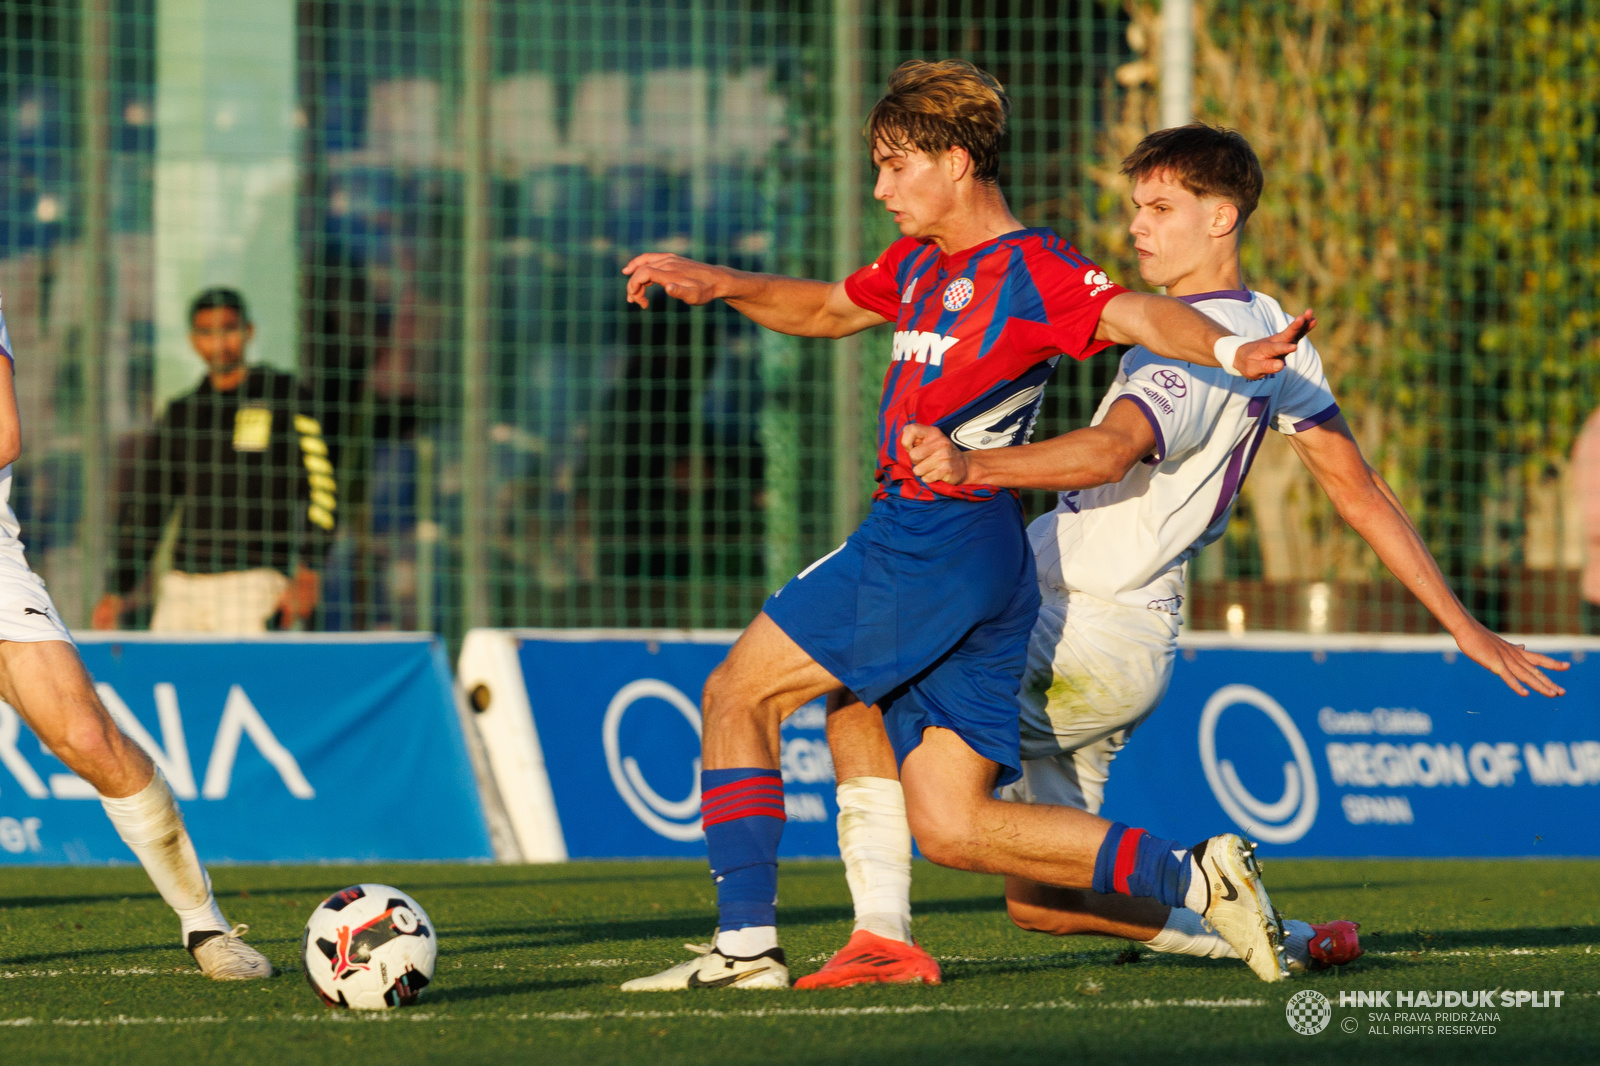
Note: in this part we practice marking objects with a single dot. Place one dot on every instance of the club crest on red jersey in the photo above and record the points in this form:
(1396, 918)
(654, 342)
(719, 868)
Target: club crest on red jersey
(958, 294)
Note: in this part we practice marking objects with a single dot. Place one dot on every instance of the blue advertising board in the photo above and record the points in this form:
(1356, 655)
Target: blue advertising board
(1398, 748)
(619, 726)
(292, 748)
(1315, 746)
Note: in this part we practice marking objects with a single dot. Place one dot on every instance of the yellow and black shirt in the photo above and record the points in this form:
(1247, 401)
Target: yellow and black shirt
(252, 472)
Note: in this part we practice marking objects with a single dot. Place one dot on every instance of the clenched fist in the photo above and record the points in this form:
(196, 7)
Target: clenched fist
(934, 457)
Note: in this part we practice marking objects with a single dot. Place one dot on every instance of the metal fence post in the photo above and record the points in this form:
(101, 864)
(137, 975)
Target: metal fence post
(699, 320)
(847, 151)
(476, 59)
(95, 52)
(1177, 63)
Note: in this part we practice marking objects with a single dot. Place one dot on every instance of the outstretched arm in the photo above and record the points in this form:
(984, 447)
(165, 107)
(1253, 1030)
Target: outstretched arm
(10, 421)
(1082, 459)
(1172, 328)
(1365, 501)
(788, 305)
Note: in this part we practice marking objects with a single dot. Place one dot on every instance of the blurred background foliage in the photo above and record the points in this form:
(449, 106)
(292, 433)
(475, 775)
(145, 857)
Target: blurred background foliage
(1431, 191)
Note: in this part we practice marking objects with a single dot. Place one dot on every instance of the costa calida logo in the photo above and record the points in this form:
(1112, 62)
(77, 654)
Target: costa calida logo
(1280, 821)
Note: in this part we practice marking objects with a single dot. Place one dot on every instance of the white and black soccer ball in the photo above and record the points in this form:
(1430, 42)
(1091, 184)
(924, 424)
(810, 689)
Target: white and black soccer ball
(369, 947)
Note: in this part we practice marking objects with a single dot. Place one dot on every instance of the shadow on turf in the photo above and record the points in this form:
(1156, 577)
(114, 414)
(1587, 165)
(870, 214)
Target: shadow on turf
(328, 887)
(84, 954)
(447, 993)
(1453, 939)
(70, 901)
(546, 933)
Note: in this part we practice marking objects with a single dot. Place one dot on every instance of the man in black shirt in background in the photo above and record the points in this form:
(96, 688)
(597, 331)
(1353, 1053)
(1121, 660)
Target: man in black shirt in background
(246, 462)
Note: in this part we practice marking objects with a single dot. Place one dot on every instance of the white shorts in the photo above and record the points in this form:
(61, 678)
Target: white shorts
(1095, 671)
(27, 614)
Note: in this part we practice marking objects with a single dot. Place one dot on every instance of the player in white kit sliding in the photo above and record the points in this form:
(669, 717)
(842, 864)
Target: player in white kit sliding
(1143, 490)
(42, 677)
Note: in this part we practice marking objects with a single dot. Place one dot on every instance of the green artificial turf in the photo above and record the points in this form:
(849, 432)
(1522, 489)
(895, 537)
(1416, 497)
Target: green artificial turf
(530, 958)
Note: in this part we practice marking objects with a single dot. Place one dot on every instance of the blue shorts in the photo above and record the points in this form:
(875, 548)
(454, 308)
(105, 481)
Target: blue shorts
(926, 611)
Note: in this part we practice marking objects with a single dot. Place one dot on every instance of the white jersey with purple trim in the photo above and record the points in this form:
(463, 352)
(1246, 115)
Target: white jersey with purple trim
(1127, 542)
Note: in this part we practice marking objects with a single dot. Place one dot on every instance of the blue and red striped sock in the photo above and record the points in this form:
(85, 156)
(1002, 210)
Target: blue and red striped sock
(1134, 863)
(742, 814)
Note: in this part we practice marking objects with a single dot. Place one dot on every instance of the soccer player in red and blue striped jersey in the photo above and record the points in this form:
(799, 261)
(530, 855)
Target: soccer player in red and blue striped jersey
(977, 335)
(926, 609)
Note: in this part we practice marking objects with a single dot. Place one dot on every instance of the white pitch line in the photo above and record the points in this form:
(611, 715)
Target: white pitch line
(357, 1017)
(123, 1019)
(1480, 953)
(131, 971)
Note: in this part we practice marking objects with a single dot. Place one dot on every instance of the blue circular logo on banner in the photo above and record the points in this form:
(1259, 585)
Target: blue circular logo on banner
(1280, 821)
(673, 819)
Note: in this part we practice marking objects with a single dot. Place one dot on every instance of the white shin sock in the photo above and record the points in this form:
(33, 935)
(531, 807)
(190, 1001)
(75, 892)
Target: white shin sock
(1186, 933)
(1198, 895)
(1297, 940)
(875, 842)
(151, 825)
(748, 942)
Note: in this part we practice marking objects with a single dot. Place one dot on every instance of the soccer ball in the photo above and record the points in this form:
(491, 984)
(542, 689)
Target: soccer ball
(370, 947)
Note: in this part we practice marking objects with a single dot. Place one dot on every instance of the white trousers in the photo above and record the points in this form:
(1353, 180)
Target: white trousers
(239, 601)
(1095, 671)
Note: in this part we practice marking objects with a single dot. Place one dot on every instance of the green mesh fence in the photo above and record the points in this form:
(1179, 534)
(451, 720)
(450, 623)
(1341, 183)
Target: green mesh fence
(427, 205)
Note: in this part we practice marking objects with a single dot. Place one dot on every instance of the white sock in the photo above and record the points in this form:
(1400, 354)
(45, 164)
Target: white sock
(151, 825)
(1297, 940)
(1186, 933)
(748, 942)
(1199, 894)
(875, 842)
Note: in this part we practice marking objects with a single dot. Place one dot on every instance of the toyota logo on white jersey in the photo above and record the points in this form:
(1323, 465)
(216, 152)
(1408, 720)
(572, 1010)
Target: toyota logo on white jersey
(673, 819)
(1170, 380)
(1281, 821)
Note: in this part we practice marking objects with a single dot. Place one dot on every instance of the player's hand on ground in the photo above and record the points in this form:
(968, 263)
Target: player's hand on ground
(1512, 663)
(684, 279)
(933, 456)
(1259, 359)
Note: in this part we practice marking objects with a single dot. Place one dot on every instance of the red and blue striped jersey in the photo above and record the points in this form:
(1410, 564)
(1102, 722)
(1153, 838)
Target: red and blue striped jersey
(977, 336)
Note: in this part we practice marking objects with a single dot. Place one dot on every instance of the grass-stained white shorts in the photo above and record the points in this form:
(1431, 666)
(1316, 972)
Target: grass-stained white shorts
(1095, 671)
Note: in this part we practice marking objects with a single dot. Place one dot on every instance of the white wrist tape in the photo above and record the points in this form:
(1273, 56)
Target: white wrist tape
(1225, 349)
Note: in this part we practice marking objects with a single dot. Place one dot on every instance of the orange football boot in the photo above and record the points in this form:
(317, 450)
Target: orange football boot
(870, 959)
(1334, 944)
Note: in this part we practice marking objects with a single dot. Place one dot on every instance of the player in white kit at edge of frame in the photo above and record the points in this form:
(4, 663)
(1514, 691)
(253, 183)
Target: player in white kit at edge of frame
(44, 680)
(1149, 484)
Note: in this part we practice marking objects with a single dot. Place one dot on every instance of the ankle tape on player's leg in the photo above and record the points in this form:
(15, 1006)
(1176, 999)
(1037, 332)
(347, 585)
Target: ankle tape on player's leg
(150, 823)
(875, 844)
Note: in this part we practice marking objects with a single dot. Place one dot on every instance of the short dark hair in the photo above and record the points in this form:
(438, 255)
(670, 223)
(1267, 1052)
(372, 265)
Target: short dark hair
(212, 298)
(1206, 160)
(936, 106)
